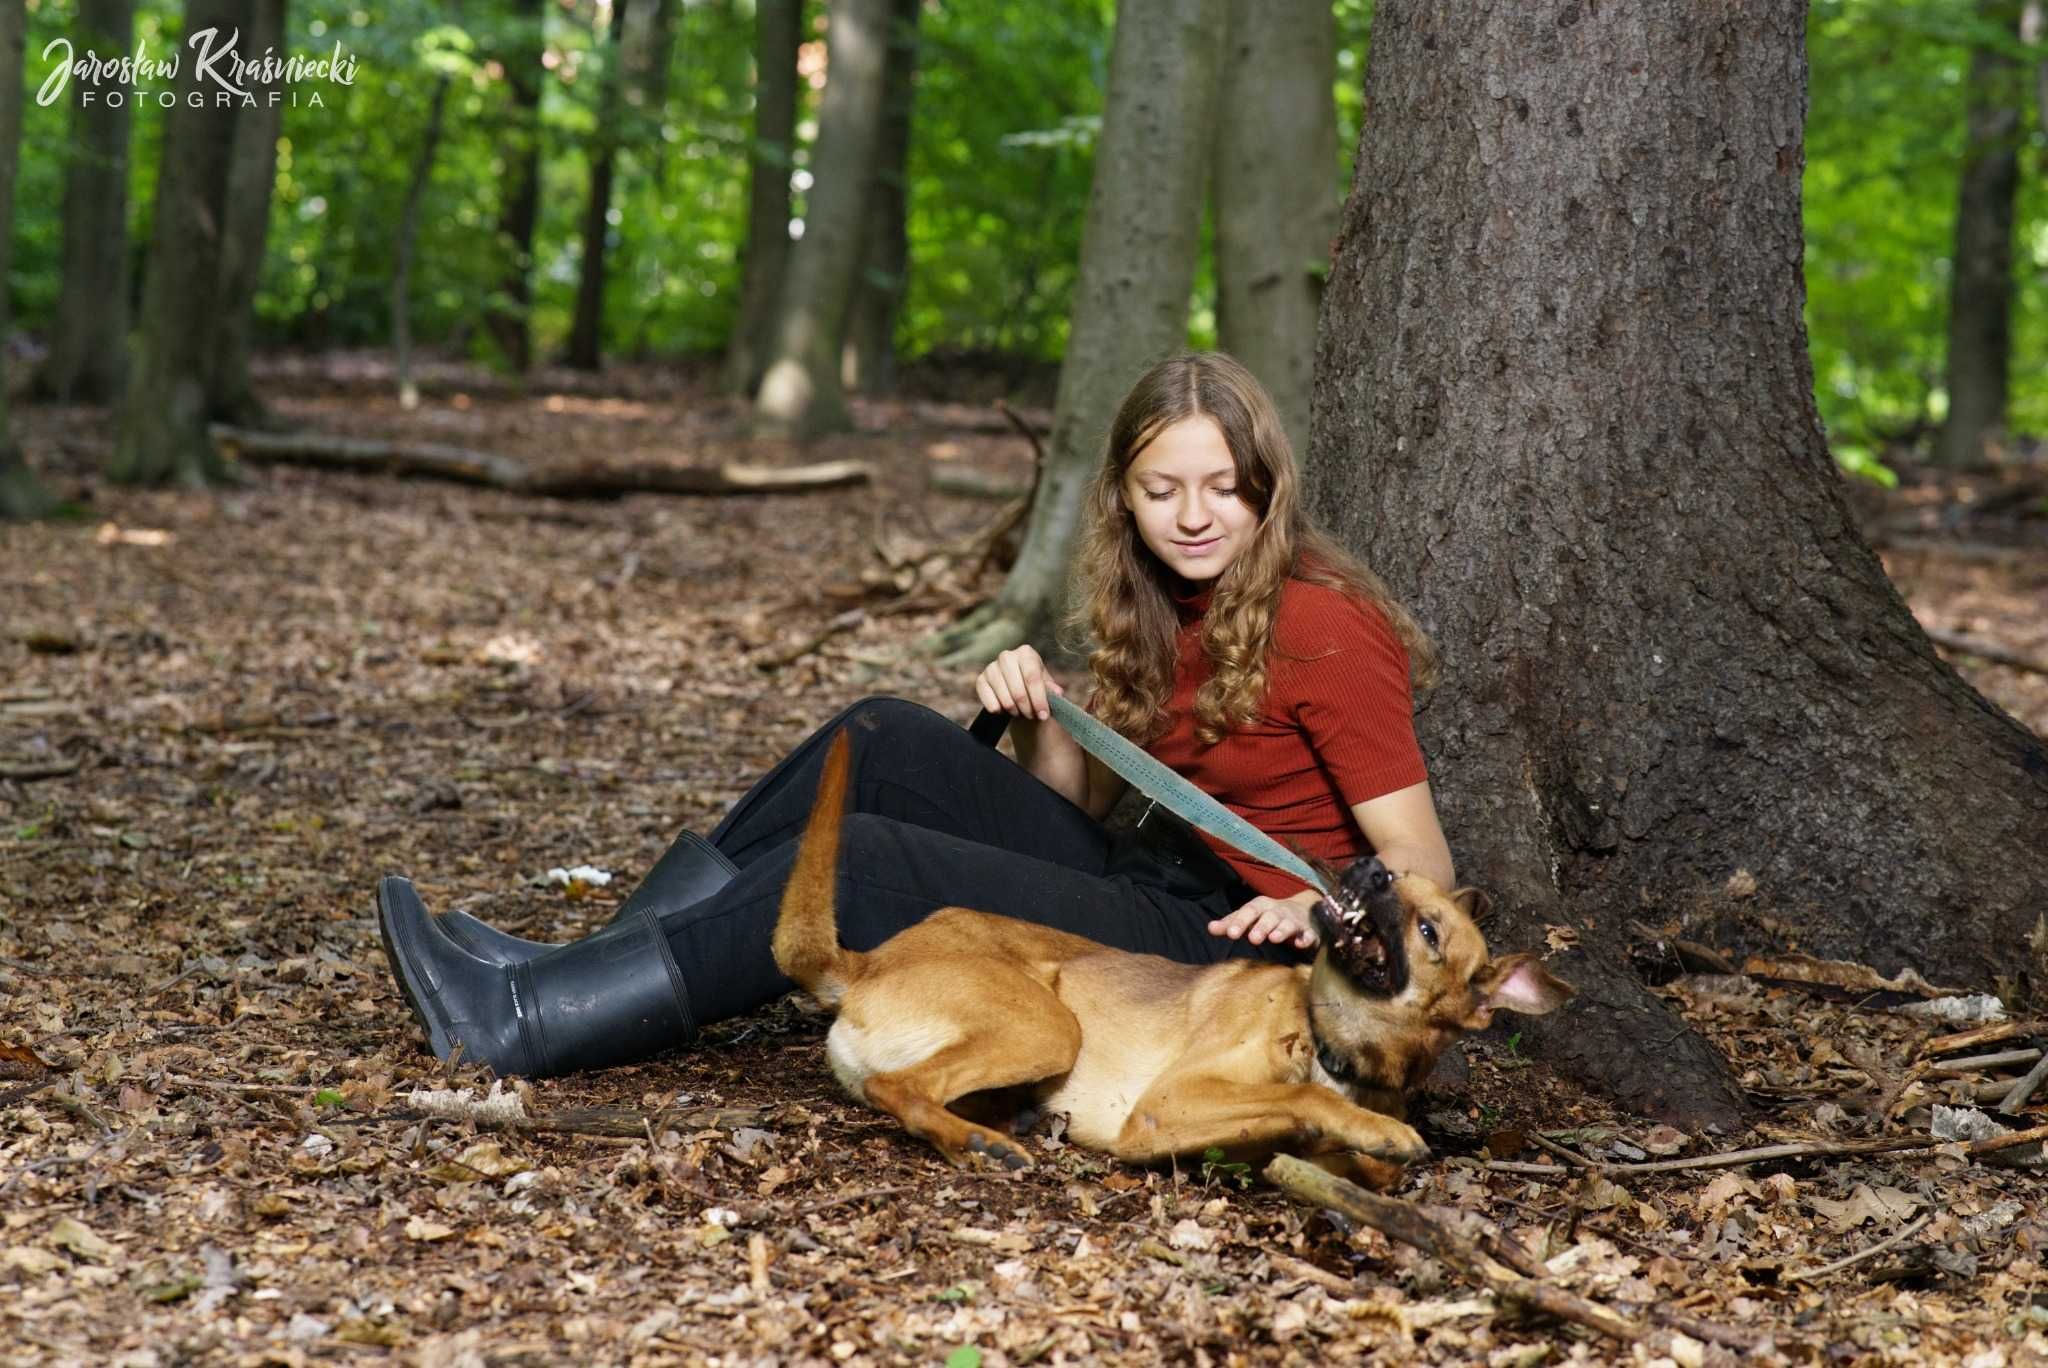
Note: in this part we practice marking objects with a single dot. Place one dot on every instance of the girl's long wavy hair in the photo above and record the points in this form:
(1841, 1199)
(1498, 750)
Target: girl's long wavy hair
(1124, 610)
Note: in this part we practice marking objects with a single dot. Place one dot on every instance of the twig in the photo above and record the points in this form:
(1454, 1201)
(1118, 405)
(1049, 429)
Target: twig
(46, 769)
(1980, 1035)
(1811, 1149)
(2010, 1140)
(863, 1195)
(1404, 1222)
(1986, 650)
(1859, 1256)
(846, 621)
(1571, 1156)
(60, 1161)
(2024, 1089)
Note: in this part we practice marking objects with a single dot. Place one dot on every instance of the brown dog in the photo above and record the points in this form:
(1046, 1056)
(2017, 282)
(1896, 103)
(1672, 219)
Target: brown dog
(1148, 1058)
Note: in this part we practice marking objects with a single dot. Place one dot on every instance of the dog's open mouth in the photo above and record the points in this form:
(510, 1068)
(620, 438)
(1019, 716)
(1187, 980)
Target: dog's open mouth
(1361, 927)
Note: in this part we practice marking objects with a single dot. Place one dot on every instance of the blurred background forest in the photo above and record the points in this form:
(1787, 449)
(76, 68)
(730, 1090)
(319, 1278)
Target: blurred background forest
(995, 157)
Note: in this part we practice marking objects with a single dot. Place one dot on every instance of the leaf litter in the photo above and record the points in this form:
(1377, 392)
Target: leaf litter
(220, 1142)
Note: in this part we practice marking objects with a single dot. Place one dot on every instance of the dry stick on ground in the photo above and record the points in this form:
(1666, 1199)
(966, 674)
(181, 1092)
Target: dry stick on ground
(1402, 1221)
(437, 461)
(845, 622)
(45, 769)
(1986, 650)
(2024, 1089)
(1981, 1035)
(1814, 1274)
(1735, 1158)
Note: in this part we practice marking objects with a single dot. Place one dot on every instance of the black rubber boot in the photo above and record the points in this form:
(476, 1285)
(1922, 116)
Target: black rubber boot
(612, 998)
(690, 869)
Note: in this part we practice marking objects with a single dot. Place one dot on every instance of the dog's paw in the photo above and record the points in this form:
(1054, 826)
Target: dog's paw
(1394, 1142)
(989, 1146)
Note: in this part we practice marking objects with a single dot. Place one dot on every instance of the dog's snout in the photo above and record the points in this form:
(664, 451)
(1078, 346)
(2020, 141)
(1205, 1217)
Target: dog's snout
(1378, 878)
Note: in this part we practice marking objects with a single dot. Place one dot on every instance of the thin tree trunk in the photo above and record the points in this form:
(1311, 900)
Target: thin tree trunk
(408, 239)
(1275, 215)
(800, 391)
(21, 496)
(869, 362)
(1138, 251)
(89, 342)
(777, 32)
(252, 175)
(1564, 404)
(506, 317)
(162, 436)
(2034, 27)
(586, 341)
(1980, 276)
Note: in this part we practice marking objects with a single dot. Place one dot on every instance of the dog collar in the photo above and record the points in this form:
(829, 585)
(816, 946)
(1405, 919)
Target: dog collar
(1328, 1060)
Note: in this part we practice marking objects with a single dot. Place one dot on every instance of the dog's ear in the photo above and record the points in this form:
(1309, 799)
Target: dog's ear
(1515, 983)
(1475, 903)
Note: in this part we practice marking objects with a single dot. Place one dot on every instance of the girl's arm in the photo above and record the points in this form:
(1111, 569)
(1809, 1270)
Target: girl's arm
(1403, 831)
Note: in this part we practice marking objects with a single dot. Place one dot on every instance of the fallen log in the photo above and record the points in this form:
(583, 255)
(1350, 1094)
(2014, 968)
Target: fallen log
(490, 470)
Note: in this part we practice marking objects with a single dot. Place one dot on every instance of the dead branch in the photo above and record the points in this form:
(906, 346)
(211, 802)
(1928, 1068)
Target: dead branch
(1980, 1035)
(1806, 1149)
(1904, 1234)
(437, 461)
(845, 622)
(46, 769)
(1404, 1222)
(1986, 650)
(2025, 1088)
(622, 1123)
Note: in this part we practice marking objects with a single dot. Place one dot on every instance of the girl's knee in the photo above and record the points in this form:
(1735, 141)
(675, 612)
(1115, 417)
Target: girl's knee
(899, 721)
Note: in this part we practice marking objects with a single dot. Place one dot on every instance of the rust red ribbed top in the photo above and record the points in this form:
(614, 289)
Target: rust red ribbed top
(1336, 729)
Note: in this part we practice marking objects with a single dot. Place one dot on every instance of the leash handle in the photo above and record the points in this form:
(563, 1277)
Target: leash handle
(988, 727)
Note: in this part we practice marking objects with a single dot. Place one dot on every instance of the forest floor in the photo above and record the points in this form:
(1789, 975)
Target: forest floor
(273, 695)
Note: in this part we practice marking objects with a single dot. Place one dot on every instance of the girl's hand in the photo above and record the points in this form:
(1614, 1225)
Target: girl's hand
(1279, 920)
(1016, 683)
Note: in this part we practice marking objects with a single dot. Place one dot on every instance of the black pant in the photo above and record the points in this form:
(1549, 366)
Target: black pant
(936, 819)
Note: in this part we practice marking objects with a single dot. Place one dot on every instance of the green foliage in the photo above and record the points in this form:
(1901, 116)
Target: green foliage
(1883, 156)
(1215, 1169)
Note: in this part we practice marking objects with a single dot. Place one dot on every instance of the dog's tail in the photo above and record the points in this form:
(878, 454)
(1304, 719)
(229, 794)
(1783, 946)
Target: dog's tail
(807, 930)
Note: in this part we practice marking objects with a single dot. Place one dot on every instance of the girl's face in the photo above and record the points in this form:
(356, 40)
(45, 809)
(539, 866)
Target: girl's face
(1182, 492)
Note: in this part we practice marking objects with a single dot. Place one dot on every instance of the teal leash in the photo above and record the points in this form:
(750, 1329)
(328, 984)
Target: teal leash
(1165, 787)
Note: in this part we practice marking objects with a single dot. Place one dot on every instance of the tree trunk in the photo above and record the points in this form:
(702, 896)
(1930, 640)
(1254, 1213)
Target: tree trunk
(162, 435)
(868, 365)
(1564, 403)
(88, 358)
(777, 32)
(252, 174)
(505, 318)
(800, 391)
(586, 342)
(1276, 215)
(1980, 274)
(408, 239)
(20, 494)
(2033, 28)
(1139, 245)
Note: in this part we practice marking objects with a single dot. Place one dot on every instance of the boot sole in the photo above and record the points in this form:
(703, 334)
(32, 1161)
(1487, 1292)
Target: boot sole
(395, 896)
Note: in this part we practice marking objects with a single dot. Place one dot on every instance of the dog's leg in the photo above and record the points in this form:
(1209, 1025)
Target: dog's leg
(1189, 1114)
(1017, 1037)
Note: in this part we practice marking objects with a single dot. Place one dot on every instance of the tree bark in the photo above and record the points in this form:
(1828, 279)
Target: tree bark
(1276, 215)
(1564, 403)
(505, 318)
(586, 351)
(162, 436)
(1139, 245)
(1980, 274)
(777, 32)
(89, 341)
(21, 496)
(868, 365)
(800, 391)
(252, 174)
(408, 239)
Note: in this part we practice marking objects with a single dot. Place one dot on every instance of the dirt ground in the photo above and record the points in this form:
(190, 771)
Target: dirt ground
(229, 713)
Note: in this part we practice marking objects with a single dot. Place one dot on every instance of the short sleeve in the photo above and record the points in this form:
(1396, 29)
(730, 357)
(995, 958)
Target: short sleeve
(1348, 690)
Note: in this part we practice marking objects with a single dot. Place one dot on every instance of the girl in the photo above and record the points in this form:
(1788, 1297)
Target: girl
(1235, 642)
